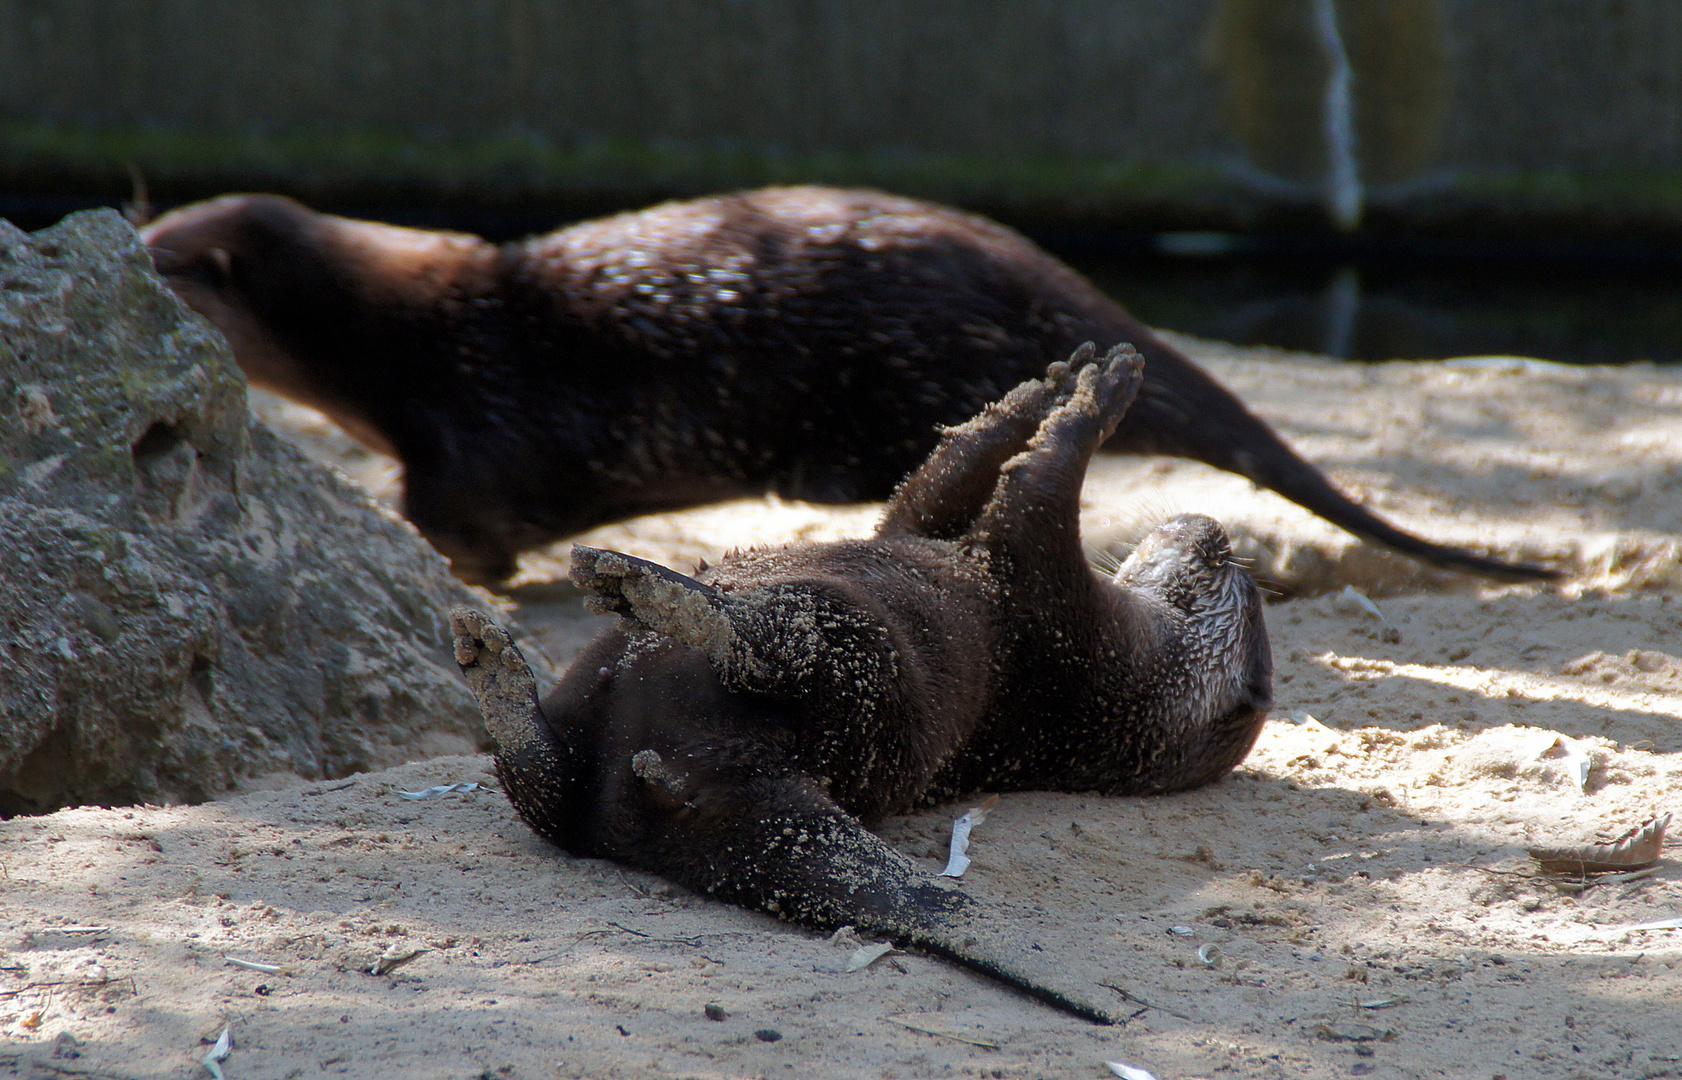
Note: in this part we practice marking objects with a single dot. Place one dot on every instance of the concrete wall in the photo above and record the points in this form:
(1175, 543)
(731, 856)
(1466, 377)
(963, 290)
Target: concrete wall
(1493, 85)
(1065, 76)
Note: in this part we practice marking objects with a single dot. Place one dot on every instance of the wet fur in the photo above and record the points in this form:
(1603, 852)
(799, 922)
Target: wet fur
(739, 729)
(805, 341)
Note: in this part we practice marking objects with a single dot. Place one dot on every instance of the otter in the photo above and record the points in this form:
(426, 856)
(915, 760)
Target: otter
(803, 341)
(740, 729)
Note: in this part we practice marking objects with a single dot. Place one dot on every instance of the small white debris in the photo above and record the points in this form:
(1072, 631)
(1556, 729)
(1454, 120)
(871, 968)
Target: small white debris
(47, 933)
(252, 965)
(441, 789)
(1351, 600)
(1659, 924)
(866, 955)
(957, 861)
(218, 1053)
(395, 958)
(1209, 956)
(1573, 755)
(1182, 931)
(1129, 1072)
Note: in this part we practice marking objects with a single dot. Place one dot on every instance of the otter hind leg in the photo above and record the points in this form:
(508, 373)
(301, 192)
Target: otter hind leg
(498, 675)
(651, 596)
(546, 778)
(785, 639)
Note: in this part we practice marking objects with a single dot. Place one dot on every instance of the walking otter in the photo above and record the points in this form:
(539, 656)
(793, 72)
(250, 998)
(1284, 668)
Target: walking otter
(805, 341)
(739, 729)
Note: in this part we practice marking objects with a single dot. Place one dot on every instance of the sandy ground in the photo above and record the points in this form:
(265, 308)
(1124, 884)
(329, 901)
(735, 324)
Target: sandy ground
(1355, 901)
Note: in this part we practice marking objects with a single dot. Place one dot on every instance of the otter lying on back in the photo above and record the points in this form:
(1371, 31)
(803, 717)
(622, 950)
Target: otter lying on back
(804, 341)
(739, 729)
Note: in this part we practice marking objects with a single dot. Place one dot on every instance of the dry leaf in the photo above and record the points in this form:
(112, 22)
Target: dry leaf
(1350, 1033)
(1637, 848)
(865, 955)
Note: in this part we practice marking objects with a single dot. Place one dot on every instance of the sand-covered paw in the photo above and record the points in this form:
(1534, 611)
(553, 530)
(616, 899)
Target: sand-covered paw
(494, 668)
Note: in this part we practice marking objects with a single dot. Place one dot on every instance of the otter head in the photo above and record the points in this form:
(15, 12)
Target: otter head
(267, 272)
(1186, 567)
(219, 257)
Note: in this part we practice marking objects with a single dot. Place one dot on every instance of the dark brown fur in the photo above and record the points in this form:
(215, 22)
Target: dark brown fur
(805, 341)
(740, 728)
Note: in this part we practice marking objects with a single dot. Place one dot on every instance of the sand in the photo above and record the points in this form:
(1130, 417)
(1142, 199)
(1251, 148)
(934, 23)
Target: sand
(1355, 900)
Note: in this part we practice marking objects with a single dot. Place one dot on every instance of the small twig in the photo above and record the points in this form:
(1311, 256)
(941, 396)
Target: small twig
(1137, 1000)
(693, 942)
(79, 983)
(985, 1044)
(335, 787)
(1525, 874)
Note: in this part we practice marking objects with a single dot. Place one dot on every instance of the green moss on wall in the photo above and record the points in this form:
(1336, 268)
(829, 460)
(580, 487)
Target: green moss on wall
(511, 165)
(527, 173)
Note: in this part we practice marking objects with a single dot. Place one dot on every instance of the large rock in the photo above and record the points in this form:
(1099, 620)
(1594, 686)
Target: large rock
(187, 600)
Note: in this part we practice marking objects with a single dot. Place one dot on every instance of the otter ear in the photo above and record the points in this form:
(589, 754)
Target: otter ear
(223, 262)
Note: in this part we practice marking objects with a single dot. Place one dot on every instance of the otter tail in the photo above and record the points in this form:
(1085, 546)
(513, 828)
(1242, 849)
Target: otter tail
(778, 844)
(1184, 413)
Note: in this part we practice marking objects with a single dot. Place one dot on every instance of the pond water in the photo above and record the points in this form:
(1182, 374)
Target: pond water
(1587, 305)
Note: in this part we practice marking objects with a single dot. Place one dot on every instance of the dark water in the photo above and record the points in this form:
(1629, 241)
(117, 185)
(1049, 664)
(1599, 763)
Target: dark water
(1585, 305)
(1360, 299)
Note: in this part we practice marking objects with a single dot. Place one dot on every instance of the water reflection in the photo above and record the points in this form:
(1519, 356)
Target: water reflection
(1384, 309)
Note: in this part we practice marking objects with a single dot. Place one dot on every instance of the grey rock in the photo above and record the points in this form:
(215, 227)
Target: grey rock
(186, 600)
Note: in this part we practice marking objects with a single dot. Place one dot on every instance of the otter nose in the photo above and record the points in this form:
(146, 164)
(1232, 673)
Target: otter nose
(1200, 533)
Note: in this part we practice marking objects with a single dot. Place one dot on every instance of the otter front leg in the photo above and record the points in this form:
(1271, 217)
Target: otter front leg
(780, 639)
(1033, 517)
(943, 496)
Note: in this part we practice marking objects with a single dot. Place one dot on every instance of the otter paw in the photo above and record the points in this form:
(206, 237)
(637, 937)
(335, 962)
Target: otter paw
(495, 671)
(1105, 388)
(1120, 374)
(603, 573)
(652, 596)
(1061, 377)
